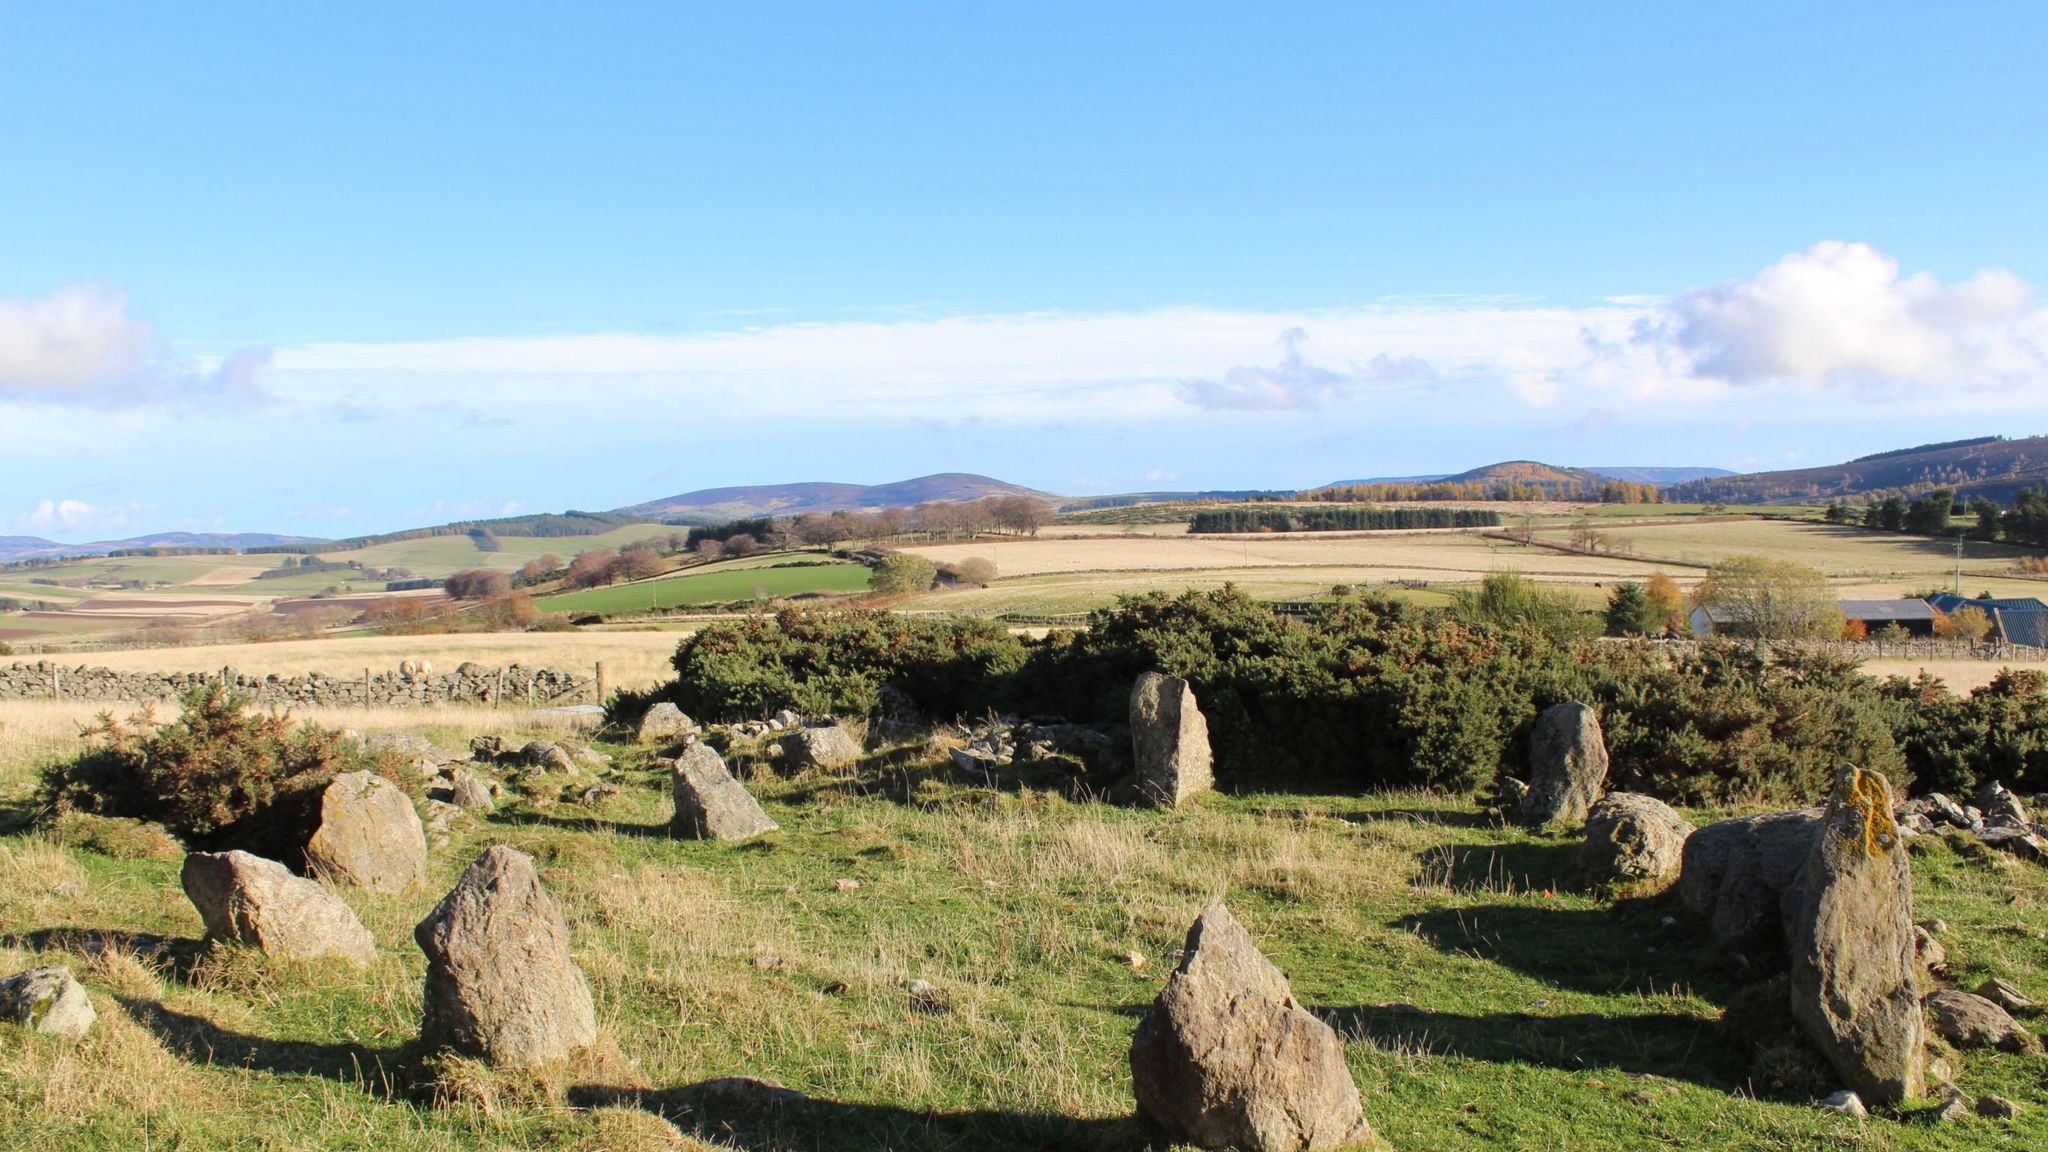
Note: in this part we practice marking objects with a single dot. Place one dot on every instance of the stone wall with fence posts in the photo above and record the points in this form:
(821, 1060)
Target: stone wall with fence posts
(510, 686)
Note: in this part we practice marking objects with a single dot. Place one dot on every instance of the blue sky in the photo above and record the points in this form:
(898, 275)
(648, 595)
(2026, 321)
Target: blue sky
(332, 269)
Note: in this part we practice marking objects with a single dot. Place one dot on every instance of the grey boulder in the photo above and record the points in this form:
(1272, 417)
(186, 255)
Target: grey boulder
(1169, 741)
(1742, 876)
(246, 899)
(1635, 840)
(501, 984)
(369, 835)
(664, 721)
(1567, 766)
(710, 803)
(826, 746)
(47, 1001)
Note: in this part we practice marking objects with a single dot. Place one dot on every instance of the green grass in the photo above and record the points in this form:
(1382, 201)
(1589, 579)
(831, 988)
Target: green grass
(1487, 1004)
(713, 586)
(438, 556)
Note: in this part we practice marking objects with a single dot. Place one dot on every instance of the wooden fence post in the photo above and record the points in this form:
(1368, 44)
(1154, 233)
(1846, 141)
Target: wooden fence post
(498, 689)
(600, 681)
(366, 689)
(56, 683)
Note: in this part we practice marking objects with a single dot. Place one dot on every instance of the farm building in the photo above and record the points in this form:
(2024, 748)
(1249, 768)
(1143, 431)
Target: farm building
(1915, 616)
(2014, 620)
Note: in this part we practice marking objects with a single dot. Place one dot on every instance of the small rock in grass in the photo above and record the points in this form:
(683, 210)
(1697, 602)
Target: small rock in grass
(1969, 1021)
(1135, 961)
(1954, 1106)
(2005, 995)
(48, 1001)
(845, 885)
(1847, 1103)
(1996, 1107)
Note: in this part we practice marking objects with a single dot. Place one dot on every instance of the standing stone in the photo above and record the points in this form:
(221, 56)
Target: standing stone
(48, 1001)
(1227, 1059)
(1746, 876)
(500, 982)
(246, 899)
(369, 835)
(827, 746)
(1567, 766)
(1169, 740)
(664, 721)
(1855, 978)
(1635, 840)
(710, 804)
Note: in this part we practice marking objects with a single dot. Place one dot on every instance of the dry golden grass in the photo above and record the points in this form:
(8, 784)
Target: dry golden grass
(631, 659)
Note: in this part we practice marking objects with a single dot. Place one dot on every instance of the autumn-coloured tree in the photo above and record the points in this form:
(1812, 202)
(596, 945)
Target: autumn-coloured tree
(1667, 603)
(1968, 622)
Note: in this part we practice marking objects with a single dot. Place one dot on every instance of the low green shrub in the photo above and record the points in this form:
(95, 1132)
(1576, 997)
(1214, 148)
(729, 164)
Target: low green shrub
(219, 774)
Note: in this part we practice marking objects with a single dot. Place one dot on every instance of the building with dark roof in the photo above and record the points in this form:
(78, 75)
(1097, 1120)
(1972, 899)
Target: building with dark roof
(2014, 620)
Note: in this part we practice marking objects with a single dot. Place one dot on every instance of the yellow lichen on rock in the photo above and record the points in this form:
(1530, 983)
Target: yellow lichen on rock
(1871, 796)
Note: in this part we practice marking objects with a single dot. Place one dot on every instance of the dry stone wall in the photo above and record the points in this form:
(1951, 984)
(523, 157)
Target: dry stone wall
(511, 685)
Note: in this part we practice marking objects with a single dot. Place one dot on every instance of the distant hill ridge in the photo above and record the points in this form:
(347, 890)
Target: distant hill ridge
(35, 547)
(1992, 466)
(1633, 474)
(714, 504)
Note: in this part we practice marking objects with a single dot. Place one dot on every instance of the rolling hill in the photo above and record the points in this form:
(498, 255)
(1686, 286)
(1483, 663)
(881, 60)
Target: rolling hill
(715, 504)
(1989, 466)
(1630, 473)
(32, 547)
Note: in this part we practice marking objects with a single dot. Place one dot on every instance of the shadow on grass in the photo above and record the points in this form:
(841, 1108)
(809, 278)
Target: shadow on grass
(594, 824)
(1675, 1047)
(198, 1040)
(1620, 949)
(178, 954)
(1501, 869)
(755, 1115)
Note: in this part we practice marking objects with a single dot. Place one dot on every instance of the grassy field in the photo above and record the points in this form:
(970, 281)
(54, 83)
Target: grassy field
(631, 659)
(715, 584)
(438, 556)
(1485, 1002)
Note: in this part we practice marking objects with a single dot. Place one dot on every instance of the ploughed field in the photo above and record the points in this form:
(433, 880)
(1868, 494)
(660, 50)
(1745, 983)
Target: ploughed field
(1484, 1000)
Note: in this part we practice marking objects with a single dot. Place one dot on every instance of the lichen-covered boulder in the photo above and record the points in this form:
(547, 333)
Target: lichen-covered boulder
(710, 803)
(1743, 876)
(1227, 1059)
(501, 984)
(1567, 766)
(246, 899)
(664, 721)
(47, 1001)
(826, 746)
(369, 835)
(1169, 741)
(471, 792)
(1970, 1021)
(1855, 975)
(1633, 840)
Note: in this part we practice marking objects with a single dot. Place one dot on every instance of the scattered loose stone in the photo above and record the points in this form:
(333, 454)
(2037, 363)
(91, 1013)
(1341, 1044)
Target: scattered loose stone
(1955, 1107)
(1968, 1021)
(548, 756)
(2005, 995)
(1567, 766)
(469, 791)
(1932, 953)
(1226, 1058)
(47, 1001)
(596, 794)
(1996, 1107)
(1135, 961)
(746, 1092)
(845, 885)
(369, 835)
(501, 984)
(770, 963)
(924, 996)
(246, 899)
(827, 747)
(710, 803)
(1847, 1103)
(1742, 876)
(1169, 741)
(664, 721)
(1635, 840)
(1855, 978)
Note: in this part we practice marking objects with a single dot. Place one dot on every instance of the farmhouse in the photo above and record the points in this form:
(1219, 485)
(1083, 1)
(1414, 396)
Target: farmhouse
(2014, 620)
(1915, 616)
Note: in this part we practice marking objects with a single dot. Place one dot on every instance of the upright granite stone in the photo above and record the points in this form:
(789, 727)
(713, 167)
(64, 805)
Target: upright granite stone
(1634, 840)
(368, 835)
(1745, 876)
(246, 899)
(825, 746)
(1227, 1059)
(47, 1001)
(1855, 977)
(501, 985)
(710, 803)
(1169, 740)
(1567, 766)
(664, 721)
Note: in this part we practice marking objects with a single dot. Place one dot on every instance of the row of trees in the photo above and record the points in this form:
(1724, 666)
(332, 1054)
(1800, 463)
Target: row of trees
(1930, 514)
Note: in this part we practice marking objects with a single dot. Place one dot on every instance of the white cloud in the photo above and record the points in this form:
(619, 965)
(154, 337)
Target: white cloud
(1840, 313)
(72, 516)
(1295, 383)
(79, 346)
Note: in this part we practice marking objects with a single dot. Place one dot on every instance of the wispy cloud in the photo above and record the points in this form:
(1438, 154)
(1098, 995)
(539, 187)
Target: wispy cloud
(1294, 383)
(72, 516)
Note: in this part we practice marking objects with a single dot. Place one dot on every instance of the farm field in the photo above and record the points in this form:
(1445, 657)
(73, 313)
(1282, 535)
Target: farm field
(715, 584)
(1484, 1000)
(631, 659)
(438, 556)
